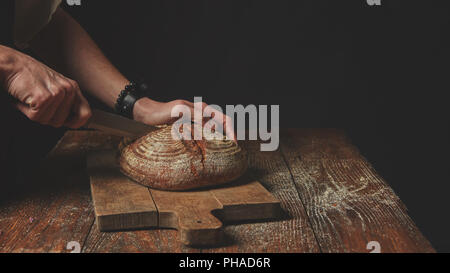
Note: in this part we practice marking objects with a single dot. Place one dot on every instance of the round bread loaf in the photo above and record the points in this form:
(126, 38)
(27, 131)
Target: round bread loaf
(159, 161)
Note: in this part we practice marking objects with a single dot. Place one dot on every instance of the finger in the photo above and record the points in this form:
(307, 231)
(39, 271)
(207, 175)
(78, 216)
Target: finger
(195, 127)
(36, 106)
(197, 115)
(224, 120)
(227, 125)
(177, 111)
(32, 114)
(52, 115)
(63, 111)
(38, 99)
(189, 103)
(81, 112)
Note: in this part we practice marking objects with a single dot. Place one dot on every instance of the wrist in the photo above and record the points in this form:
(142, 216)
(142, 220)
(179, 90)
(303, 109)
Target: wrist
(128, 97)
(139, 111)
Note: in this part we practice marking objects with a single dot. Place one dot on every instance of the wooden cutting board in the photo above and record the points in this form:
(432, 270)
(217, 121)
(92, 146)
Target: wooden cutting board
(121, 204)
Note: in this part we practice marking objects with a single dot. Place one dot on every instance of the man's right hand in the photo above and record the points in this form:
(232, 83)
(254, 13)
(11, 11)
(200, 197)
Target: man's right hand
(42, 94)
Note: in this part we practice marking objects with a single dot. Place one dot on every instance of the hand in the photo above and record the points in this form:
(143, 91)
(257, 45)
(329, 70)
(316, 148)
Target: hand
(158, 113)
(42, 94)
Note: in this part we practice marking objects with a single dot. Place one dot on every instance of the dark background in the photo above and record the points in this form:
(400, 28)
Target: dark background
(382, 73)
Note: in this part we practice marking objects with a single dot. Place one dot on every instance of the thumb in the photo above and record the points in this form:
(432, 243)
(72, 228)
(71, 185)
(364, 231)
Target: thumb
(80, 113)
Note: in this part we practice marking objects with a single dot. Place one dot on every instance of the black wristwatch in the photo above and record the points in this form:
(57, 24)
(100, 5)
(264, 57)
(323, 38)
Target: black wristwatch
(128, 97)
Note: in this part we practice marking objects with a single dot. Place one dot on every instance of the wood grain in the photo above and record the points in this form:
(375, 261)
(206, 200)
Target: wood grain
(246, 200)
(190, 214)
(291, 234)
(196, 214)
(47, 221)
(122, 204)
(142, 241)
(119, 202)
(347, 202)
(55, 208)
(91, 239)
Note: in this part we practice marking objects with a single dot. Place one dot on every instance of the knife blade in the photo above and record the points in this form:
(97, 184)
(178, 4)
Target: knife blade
(117, 125)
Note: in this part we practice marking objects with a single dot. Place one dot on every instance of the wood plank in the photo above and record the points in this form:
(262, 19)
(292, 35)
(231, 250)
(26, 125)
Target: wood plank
(146, 241)
(61, 211)
(290, 234)
(246, 201)
(190, 214)
(337, 185)
(347, 202)
(196, 214)
(119, 202)
(122, 204)
(47, 221)
(141, 241)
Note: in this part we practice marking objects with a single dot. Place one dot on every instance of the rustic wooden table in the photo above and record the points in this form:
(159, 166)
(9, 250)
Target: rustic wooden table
(333, 199)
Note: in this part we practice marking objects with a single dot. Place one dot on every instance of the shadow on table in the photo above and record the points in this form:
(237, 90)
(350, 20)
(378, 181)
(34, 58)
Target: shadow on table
(51, 177)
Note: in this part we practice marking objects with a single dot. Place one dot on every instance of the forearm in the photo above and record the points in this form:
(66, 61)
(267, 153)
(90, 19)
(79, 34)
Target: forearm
(67, 46)
(7, 60)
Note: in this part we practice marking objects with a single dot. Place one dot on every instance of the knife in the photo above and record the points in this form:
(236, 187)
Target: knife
(117, 125)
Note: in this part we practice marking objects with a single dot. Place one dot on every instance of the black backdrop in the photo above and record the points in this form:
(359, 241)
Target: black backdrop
(380, 72)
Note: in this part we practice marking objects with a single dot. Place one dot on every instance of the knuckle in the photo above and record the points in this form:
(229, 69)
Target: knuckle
(58, 91)
(67, 85)
(84, 114)
(65, 82)
(42, 97)
(87, 114)
(70, 84)
(74, 84)
(70, 92)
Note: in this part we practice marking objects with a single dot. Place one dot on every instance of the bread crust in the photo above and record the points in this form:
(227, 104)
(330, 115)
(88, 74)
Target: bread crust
(161, 162)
